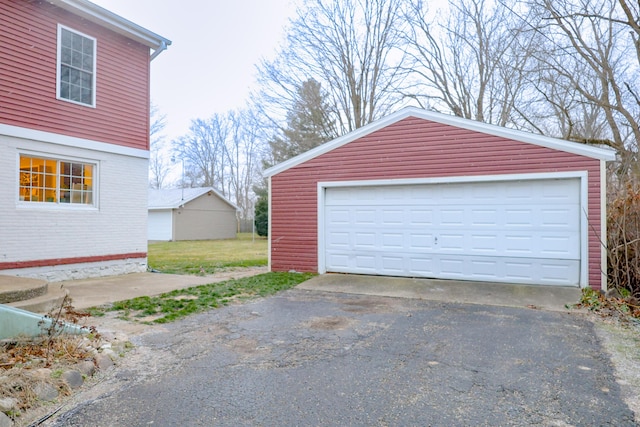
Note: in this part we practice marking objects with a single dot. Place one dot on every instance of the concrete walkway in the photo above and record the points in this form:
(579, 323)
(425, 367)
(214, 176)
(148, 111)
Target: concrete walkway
(104, 290)
(553, 298)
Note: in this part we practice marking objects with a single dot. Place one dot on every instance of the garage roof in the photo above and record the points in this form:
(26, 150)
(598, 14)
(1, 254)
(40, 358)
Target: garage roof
(605, 154)
(174, 198)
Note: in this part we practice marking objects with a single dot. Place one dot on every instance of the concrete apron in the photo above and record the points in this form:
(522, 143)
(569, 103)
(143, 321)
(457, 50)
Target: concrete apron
(553, 298)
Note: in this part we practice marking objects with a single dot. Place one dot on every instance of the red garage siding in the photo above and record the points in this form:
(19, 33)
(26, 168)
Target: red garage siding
(411, 148)
(28, 52)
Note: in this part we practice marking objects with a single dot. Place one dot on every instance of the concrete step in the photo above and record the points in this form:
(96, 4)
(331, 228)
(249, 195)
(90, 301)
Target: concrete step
(43, 304)
(13, 288)
(33, 295)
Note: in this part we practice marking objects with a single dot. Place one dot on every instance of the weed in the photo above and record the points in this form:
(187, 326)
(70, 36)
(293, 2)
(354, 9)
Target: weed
(592, 299)
(598, 302)
(183, 302)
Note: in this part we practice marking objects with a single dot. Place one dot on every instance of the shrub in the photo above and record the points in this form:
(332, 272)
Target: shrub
(262, 216)
(623, 238)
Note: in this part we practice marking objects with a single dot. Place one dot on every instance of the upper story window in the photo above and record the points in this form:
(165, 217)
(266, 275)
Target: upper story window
(45, 180)
(76, 67)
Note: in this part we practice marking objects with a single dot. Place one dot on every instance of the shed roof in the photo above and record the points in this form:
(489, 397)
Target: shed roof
(173, 198)
(108, 19)
(517, 135)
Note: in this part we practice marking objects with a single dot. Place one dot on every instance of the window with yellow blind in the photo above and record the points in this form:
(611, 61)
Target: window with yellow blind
(45, 180)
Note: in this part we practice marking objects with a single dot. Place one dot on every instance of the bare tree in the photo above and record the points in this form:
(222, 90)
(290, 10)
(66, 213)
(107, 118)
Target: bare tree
(351, 47)
(223, 152)
(595, 52)
(202, 150)
(158, 168)
(474, 65)
(244, 149)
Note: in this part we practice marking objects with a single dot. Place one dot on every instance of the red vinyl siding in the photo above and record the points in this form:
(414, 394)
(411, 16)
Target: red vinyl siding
(410, 148)
(28, 55)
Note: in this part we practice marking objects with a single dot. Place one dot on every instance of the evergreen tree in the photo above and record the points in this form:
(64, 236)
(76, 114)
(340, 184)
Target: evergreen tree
(261, 216)
(308, 123)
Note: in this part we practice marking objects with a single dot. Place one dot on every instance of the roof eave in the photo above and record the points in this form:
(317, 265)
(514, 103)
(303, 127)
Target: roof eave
(192, 196)
(544, 141)
(114, 22)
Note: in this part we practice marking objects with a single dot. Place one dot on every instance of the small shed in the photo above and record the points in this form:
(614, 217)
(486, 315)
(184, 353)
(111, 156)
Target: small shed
(423, 194)
(190, 214)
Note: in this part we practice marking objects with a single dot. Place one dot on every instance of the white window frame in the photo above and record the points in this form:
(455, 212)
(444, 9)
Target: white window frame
(59, 67)
(57, 204)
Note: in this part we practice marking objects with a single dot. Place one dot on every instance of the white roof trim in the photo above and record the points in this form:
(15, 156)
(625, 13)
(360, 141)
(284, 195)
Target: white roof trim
(517, 135)
(114, 22)
(192, 194)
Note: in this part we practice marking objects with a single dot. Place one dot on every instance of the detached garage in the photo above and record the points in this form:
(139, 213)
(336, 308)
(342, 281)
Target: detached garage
(190, 214)
(421, 194)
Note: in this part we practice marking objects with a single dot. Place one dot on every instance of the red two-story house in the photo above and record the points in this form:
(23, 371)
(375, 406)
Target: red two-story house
(74, 139)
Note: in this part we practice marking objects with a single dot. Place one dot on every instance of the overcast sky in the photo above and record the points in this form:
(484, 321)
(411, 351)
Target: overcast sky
(210, 66)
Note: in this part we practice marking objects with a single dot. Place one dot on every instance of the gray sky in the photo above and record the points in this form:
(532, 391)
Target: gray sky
(210, 66)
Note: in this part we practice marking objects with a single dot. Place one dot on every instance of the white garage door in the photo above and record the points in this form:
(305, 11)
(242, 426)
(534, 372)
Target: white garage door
(511, 231)
(159, 225)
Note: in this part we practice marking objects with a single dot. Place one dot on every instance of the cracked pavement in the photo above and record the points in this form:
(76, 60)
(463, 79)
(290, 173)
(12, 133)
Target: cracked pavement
(316, 358)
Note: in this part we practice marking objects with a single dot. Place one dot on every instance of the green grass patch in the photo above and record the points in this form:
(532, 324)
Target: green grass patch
(176, 304)
(203, 257)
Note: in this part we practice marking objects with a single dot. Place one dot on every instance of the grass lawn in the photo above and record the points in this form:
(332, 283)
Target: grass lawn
(176, 304)
(207, 256)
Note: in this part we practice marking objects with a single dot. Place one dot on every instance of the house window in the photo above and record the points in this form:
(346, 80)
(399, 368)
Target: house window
(45, 180)
(76, 67)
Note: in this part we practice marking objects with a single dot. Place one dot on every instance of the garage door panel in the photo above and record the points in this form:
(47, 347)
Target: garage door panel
(366, 263)
(339, 216)
(339, 240)
(551, 272)
(452, 217)
(420, 242)
(393, 217)
(526, 231)
(519, 245)
(365, 240)
(393, 264)
(565, 246)
(421, 217)
(450, 242)
(518, 217)
(484, 217)
(559, 217)
(484, 243)
(393, 241)
(364, 216)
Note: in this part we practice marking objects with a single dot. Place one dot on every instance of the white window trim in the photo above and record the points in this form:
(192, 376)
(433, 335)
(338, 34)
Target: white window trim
(59, 67)
(49, 205)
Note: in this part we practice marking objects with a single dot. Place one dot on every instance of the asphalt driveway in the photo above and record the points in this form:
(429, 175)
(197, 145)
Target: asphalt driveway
(313, 358)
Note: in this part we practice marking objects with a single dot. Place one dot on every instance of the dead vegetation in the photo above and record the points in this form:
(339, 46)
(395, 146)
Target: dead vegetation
(623, 245)
(29, 366)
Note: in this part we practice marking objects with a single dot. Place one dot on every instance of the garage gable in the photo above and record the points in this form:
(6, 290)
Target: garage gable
(427, 152)
(452, 122)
